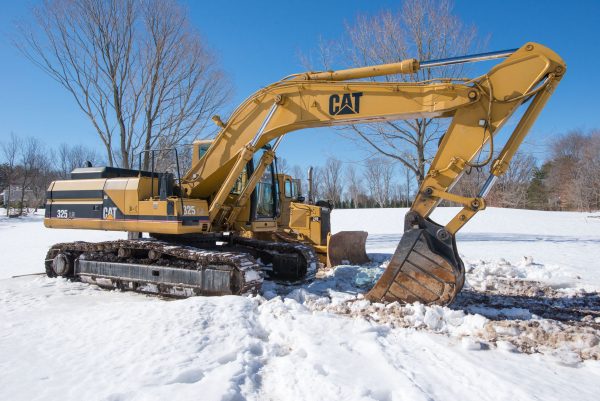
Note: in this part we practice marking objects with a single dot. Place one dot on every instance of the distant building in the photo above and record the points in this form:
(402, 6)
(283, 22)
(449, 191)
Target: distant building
(15, 196)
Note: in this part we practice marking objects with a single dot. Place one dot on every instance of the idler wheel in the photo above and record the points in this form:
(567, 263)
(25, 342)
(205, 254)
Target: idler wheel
(62, 264)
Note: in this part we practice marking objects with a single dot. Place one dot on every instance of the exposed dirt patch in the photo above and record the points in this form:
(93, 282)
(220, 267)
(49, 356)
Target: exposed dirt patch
(511, 314)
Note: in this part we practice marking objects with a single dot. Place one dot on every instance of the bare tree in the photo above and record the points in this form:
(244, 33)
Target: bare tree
(318, 184)
(183, 86)
(32, 162)
(332, 180)
(590, 172)
(511, 188)
(422, 29)
(470, 183)
(299, 173)
(136, 69)
(575, 168)
(586, 184)
(283, 167)
(11, 151)
(3, 175)
(355, 187)
(399, 198)
(566, 154)
(41, 178)
(72, 157)
(378, 175)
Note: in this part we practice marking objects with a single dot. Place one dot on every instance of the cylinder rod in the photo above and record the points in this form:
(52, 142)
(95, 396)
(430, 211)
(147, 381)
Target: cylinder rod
(264, 124)
(487, 186)
(471, 58)
(277, 142)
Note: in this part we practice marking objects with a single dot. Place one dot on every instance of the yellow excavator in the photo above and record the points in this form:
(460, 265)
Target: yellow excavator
(232, 219)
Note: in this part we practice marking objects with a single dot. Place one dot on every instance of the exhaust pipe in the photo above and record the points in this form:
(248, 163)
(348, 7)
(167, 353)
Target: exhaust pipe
(310, 186)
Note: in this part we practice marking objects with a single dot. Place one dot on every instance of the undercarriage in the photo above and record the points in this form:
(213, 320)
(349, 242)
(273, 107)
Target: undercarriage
(182, 267)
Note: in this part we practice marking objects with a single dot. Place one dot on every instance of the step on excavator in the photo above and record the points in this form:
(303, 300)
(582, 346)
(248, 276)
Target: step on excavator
(232, 220)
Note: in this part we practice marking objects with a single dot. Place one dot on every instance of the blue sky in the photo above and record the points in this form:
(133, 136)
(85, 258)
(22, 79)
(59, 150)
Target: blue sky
(258, 42)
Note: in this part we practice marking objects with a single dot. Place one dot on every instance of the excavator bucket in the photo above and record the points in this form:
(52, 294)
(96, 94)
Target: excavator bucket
(347, 247)
(424, 268)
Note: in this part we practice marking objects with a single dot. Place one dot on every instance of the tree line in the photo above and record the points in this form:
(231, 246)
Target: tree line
(28, 167)
(568, 179)
(374, 184)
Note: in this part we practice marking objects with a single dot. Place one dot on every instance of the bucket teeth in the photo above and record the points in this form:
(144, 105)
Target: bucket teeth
(423, 268)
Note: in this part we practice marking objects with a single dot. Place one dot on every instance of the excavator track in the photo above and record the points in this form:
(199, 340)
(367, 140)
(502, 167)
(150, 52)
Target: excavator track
(155, 267)
(291, 263)
(286, 263)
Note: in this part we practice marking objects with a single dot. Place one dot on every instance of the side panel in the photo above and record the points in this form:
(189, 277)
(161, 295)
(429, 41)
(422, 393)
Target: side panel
(81, 199)
(115, 205)
(310, 221)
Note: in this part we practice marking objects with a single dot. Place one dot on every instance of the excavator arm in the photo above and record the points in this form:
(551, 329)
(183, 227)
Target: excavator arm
(426, 266)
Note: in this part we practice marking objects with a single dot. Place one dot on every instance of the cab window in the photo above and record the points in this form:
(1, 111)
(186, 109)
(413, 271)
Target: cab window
(296, 188)
(240, 183)
(202, 149)
(288, 189)
(265, 206)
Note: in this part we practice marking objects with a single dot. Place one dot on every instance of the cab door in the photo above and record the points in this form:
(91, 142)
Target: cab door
(265, 201)
(286, 196)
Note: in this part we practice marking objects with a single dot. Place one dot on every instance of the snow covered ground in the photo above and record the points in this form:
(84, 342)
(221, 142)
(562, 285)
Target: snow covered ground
(526, 327)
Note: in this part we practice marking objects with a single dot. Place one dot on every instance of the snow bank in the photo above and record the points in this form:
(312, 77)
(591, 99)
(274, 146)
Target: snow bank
(504, 310)
(492, 221)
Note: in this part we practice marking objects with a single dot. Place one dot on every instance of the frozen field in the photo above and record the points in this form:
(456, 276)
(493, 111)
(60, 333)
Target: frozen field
(526, 327)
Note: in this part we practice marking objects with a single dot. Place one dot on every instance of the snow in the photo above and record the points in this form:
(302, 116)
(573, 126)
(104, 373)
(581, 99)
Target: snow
(24, 242)
(323, 340)
(567, 243)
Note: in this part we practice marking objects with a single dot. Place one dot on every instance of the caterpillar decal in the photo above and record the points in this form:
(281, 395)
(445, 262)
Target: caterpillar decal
(349, 103)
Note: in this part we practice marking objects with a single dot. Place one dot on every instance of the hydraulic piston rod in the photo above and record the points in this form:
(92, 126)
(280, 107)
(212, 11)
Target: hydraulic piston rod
(470, 58)
(408, 66)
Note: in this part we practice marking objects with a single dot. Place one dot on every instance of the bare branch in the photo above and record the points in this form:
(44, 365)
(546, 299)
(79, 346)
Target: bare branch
(136, 69)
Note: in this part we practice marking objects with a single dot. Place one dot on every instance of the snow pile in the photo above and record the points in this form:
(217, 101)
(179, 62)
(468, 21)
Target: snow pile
(502, 310)
(484, 274)
(566, 243)
(437, 319)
